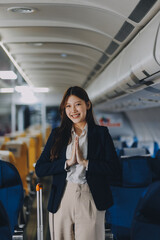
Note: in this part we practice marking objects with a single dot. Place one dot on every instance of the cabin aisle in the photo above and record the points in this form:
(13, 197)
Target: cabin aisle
(30, 232)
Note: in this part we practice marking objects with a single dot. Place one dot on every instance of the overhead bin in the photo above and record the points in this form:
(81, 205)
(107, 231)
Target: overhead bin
(137, 64)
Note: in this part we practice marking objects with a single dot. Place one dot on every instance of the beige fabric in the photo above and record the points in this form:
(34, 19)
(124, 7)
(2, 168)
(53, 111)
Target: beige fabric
(4, 155)
(77, 217)
(15, 147)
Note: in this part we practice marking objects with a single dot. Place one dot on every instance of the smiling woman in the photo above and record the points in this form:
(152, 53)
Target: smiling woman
(110, 52)
(81, 157)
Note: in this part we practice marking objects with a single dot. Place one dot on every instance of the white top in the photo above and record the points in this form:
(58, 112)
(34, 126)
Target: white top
(77, 172)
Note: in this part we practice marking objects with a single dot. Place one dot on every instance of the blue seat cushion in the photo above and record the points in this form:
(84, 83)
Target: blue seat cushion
(150, 204)
(120, 215)
(5, 231)
(136, 171)
(12, 205)
(145, 231)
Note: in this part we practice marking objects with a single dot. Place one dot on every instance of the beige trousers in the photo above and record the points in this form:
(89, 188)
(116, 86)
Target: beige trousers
(77, 217)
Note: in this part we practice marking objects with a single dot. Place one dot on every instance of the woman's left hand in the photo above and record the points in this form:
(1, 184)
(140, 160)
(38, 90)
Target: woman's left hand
(79, 155)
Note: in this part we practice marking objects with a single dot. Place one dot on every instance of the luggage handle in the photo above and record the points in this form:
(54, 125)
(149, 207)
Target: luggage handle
(39, 188)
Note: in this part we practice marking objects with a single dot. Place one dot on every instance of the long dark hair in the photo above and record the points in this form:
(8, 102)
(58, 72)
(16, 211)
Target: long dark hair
(63, 132)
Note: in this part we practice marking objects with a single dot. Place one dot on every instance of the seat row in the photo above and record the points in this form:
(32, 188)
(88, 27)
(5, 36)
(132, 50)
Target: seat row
(135, 146)
(140, 175)
(18, 155)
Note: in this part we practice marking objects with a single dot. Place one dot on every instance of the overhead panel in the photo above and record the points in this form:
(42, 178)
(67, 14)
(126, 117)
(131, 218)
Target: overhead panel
(81, 37)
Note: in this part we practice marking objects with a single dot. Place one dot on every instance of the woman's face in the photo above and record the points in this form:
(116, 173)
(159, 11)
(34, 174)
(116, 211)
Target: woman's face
(76, 110)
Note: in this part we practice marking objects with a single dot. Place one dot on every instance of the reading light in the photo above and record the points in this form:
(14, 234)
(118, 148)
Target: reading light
(64, 55)
(38, 44)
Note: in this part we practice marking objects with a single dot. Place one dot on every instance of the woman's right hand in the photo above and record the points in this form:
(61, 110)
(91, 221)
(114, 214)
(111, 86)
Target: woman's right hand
(73, 159)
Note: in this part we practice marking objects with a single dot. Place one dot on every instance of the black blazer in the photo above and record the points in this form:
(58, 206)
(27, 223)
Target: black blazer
(103, 168)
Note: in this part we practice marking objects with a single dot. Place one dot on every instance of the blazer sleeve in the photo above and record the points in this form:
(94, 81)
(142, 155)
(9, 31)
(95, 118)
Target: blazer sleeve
(46, 167)
(109, 164)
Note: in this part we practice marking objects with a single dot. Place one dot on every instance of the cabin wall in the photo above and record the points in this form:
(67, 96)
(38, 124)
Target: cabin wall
(117, 123)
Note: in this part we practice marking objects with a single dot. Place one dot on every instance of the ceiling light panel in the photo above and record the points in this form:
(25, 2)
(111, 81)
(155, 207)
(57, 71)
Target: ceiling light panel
(8, 75)
(6, 90)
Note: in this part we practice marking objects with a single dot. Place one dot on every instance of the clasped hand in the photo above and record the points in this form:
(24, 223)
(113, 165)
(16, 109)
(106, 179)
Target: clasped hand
(77, 156)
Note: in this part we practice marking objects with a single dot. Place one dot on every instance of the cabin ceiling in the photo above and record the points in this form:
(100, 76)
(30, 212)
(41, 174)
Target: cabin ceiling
(63, 43)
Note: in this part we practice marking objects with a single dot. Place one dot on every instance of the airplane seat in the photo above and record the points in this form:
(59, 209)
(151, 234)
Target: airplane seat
(118, 144)
(2, 139)
(128, 140)
(136, 171)
(14, 135)
(20, 151)
(40, 144)
(137, 175)
(5, 230)
(158, 154)
(155, 165)
(133, 152)
(7, 156)
(146, 220)
(11, 192)
(31, 144)
(37, 135)
(47, 133)
(151, 146)
(7, 139)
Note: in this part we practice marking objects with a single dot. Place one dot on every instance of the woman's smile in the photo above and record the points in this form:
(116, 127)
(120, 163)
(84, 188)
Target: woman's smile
(76, 110)
(75, 115)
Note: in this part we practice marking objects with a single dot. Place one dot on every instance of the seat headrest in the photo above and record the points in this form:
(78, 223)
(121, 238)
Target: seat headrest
(134, 151)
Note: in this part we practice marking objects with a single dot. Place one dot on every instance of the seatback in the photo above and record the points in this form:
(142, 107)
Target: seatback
(7, 156)
(128, 140)
(47, 132)
(11, 192)
(146, 221)
(151, 146)
(37, 136)
(137, 175)
(2, 140)
(20, 151)
(31, 144)
(136, 171)
(5, 231)
(134, 152)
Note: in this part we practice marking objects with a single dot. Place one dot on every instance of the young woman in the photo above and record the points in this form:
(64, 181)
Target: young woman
(81, 157)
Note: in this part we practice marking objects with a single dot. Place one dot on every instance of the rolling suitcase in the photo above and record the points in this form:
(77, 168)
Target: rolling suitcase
(39, 212)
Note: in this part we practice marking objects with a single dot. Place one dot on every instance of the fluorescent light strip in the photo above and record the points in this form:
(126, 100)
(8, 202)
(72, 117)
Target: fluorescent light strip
(5, 75)
(21, 89)
(41, 90)
(6, 90)
(26, 78)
